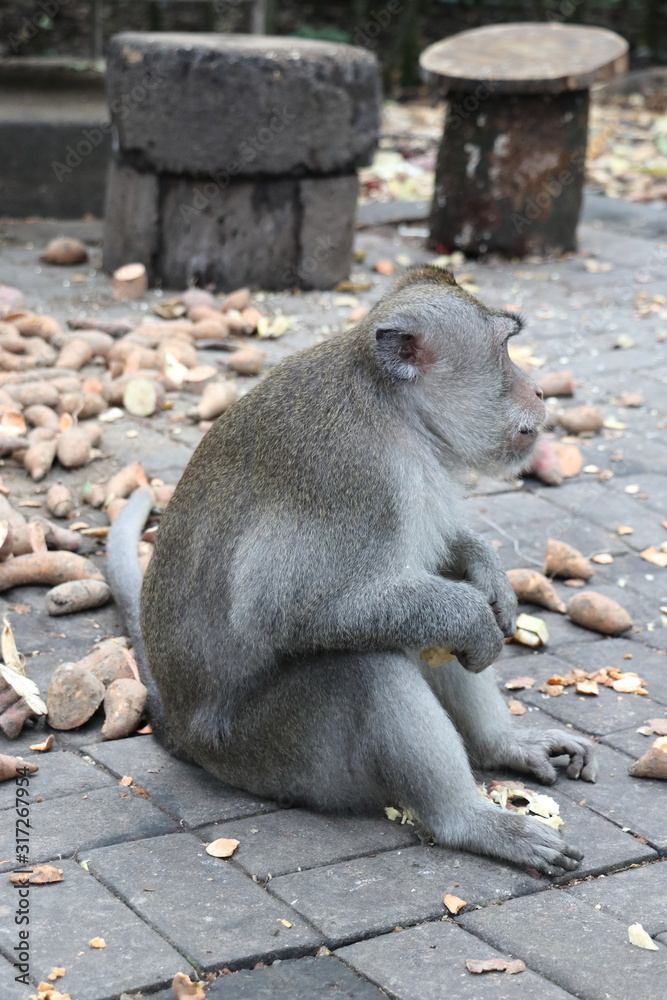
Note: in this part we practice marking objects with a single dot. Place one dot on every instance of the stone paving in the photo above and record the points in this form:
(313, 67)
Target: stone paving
(311, 907)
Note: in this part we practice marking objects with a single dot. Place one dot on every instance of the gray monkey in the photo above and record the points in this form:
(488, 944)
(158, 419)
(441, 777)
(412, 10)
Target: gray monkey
(315, 544)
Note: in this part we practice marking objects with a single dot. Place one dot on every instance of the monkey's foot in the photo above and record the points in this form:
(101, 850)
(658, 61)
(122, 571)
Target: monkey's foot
(532, 753)
(519, 839)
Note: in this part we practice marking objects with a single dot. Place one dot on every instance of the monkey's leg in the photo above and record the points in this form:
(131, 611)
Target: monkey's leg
(362, 732)
(478, 710)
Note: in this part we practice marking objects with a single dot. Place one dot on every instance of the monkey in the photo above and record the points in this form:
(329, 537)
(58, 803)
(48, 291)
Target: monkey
(315, 543)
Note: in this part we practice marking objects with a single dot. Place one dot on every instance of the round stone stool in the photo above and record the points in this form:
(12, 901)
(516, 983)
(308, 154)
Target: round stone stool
(235, 157)
(511, 165)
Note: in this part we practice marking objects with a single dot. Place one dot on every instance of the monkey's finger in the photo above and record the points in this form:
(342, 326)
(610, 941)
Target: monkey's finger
(543, 769)
(589, 772)
(576, 765)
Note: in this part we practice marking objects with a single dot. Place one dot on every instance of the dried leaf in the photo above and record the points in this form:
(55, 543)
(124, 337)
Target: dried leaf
(516, 707)
(652, 555)
(45, 746)
(639, 937)
(479, 965)
(520, 683)
(587, 687)
(453, 903)
(222, 848)
(184, 989)
(38, 875)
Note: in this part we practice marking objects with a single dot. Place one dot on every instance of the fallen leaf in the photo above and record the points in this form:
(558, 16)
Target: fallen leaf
(639, 937)
(453, 903)
(520, 683)
(97, 943)
(38, 875)
(479, 965)
(184, 989)
(516, 707)
(652, 555)
(222, 848)
(594, 266)
(586, 687)
(45, 746)
(627, 684)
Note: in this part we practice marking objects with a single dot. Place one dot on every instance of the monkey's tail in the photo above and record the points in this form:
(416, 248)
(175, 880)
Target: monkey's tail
(125, 581)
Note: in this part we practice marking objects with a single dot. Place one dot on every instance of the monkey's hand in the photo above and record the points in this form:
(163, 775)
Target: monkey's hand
(480, 564)
(498, 592)
(481, 642)
(532, 752)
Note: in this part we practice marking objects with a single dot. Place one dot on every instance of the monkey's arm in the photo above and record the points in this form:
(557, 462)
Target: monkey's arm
(476, 561)
(410, 613)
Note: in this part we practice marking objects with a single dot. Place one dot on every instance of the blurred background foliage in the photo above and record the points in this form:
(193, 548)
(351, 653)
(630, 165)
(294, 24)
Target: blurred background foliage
(397, 31)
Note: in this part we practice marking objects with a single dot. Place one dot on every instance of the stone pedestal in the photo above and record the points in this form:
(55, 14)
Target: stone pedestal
(511, 165)
(509, 177)
(235, 157)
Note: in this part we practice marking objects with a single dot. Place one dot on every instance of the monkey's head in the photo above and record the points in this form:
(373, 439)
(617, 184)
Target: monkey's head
(444, 353)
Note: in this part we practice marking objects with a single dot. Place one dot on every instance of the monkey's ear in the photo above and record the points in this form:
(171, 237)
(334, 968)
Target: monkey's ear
(401, 353)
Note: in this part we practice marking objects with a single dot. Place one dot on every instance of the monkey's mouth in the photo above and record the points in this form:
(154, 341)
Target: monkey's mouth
(528, 432)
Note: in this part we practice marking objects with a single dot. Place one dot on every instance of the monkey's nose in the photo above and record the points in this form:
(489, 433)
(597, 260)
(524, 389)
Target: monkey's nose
(538, 392)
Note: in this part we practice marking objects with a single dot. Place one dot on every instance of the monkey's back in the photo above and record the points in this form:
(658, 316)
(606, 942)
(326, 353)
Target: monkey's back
(251, 537)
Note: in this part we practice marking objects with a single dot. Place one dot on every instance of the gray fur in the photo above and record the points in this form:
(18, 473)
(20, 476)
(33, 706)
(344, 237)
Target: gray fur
(316, 543)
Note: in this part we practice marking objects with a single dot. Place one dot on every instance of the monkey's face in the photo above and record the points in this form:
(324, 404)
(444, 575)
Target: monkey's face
(446, 354)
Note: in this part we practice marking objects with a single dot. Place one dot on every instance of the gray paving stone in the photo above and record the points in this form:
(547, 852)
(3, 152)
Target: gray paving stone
(65, 826)
(302, 979)
(295, 839)
(630, 741)
(609, 509)
(650, 483)
(183, 790)
(211, 911)
(574, 945)
(639, 894)
(372, 895)
(637, 804)
(60, 773)
(428, 963)
(320, 978)
(64, 916)
(9, 988)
